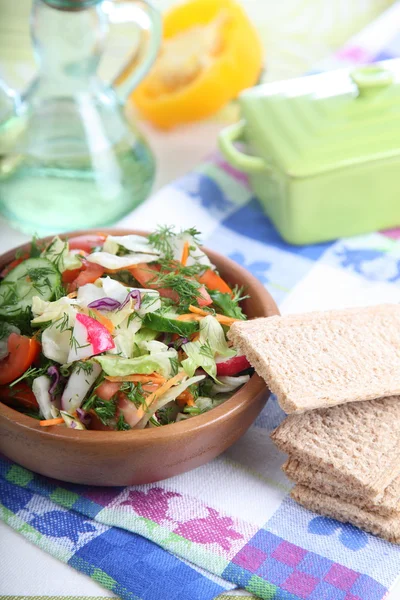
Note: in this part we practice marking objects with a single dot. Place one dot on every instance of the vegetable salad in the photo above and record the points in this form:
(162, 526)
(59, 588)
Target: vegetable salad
(117, 332)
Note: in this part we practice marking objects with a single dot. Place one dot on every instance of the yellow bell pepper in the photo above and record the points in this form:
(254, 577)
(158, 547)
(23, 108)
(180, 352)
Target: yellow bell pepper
(210, 52)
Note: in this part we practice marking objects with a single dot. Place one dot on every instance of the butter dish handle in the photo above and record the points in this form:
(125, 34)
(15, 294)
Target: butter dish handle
(239, 160)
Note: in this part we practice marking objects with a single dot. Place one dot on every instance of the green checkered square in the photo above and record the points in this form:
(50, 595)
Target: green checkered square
(19, 476)
(64, 497)
(103, 579)
(261, 588)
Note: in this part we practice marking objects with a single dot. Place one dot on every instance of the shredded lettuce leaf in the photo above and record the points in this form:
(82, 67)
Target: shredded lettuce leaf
(116, 366)
(58, 253)
(110, 261)
(212, 332)
(134, 243)
(125, 334)
(201, 354)
(45, 312)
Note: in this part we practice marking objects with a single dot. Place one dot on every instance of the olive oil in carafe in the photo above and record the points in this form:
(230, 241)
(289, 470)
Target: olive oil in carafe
(69, 158)
(44, 192)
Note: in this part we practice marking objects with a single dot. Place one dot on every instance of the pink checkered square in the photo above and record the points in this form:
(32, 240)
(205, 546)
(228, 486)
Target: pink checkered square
(392, 233)
(289, 554)
(250, 558)
(352, 597)
(353, 54)
(300, 584)
(341, 577)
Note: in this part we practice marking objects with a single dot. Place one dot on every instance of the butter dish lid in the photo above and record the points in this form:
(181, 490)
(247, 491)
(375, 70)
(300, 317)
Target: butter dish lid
(323, 122)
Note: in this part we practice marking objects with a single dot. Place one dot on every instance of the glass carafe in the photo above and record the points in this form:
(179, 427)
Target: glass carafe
(69, 158)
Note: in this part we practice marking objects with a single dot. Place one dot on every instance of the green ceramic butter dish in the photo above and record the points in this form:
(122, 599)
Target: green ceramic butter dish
(324, 151)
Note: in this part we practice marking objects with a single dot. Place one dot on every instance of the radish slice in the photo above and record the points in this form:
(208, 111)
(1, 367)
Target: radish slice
(89, 338)
(232, 366)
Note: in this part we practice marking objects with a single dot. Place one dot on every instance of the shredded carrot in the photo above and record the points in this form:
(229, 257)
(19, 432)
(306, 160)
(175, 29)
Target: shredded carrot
(199, 311)
(150, 387)
(48, 422)
(195, 336)
(185, 399)
(161, 390)
(153, 377)
(165, 387)
(109, 325)
(185, 253)
(189, 317)
(220, 318)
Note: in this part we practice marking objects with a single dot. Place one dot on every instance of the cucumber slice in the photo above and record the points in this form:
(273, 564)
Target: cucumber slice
(33, 277)
(169, 323)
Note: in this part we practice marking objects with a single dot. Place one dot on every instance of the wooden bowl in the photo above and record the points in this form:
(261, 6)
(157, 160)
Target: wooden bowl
(134, 457)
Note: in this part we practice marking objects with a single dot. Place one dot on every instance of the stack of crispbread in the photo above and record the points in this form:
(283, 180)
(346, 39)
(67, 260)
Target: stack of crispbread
(338, 372)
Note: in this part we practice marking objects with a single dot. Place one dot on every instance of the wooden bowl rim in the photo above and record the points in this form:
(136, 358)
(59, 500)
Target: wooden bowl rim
(247, 393)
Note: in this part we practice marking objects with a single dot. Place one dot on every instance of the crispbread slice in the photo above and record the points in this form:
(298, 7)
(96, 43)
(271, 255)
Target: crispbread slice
(385, 503)
(322, 359)
(336, 508)
(357, 443)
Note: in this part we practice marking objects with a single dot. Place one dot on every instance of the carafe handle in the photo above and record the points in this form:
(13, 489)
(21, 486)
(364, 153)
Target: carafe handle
(149, 21)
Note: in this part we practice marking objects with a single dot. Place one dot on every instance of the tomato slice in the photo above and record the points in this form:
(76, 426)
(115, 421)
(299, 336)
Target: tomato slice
(213, 281)
(70, 276)
(97, 424)
(88, 274)
(204, 298)
(107, 389)
(86, 242)
(22, 352)
(146, 274)
(18, 395)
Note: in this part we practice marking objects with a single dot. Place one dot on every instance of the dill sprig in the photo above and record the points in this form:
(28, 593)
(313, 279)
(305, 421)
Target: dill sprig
(39, 278)
(206, 350)
(187, 289)
(174, 362)
(104, 409)
(238, 294)
(9, 295)
(59, 292)
(134, 393)
(161, 240)
(32, 373)
(57, 258)
(83, 365)
(73, 342)
(62, 323)
(165, 415)
(195, 233)
(122, 425)
(34, 251)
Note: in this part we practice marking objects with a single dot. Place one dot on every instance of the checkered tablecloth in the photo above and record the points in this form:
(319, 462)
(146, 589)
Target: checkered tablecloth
(230, 523)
